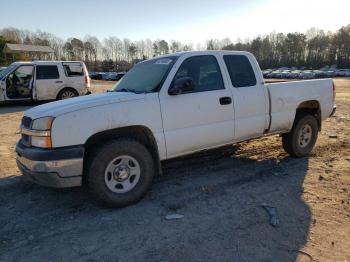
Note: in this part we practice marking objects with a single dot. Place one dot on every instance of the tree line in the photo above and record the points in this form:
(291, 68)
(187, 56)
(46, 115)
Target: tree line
(313, 49)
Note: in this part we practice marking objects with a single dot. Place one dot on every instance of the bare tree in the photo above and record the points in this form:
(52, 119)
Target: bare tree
(132, 50)
(314, 49)
(175, 46)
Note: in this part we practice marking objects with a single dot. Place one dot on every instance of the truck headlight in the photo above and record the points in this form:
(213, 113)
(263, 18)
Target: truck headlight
(40, 132)
(43, 123)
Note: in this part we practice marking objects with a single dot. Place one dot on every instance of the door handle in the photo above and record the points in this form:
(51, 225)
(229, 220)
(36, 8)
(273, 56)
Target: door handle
(226, 100)
(59, 82)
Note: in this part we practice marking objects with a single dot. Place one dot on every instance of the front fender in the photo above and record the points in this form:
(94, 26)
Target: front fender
(75, 128)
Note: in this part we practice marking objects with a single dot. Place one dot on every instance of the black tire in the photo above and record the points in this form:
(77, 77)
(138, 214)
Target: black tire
(63, 93)
(100, 161)
(291, 141)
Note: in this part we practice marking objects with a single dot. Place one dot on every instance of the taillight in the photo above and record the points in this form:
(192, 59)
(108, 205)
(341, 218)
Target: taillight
(87, 80)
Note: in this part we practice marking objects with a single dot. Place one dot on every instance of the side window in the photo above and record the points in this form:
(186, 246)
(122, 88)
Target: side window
(73, 69)
(47, 72)
(22, 76)
(240, 70)
(205, 72)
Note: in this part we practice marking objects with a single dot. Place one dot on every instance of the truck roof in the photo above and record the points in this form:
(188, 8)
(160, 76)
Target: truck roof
(206, 52)
(209, 52)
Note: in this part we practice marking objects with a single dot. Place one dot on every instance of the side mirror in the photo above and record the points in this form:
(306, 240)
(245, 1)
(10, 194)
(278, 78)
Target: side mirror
(181, 85)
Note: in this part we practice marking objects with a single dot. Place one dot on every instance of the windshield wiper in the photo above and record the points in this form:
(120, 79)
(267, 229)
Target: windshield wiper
(132, 91)
(126, 90)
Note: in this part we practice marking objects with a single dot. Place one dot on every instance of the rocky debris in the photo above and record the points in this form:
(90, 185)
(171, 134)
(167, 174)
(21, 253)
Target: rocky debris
(174, 216)
(142, 222)
(304, 253)
(333, 135)
(272, 211)
(208, 189)
(174, 207)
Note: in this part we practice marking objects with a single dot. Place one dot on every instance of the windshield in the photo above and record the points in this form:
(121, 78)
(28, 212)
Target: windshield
(146, 76)
(7, 70)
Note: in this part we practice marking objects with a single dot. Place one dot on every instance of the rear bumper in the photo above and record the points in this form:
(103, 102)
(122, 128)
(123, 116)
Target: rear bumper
(333, 111)
(62, 167)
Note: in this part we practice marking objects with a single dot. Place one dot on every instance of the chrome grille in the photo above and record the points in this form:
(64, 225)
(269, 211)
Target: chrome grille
(26, 122)
(26, 140)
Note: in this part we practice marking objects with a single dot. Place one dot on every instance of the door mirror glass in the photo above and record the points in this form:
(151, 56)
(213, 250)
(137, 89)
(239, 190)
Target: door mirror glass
(182, 85)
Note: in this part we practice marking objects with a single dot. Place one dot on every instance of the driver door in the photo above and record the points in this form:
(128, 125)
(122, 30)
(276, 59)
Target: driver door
(19, 83)
(203, 117)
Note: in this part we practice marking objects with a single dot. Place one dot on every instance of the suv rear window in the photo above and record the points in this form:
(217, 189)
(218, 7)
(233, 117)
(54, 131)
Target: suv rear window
(73, 69)
(240, 70)
(47, 72)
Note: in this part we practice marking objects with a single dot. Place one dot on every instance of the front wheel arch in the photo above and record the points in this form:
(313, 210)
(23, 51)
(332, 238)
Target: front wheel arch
(139, 133)
(102, 182)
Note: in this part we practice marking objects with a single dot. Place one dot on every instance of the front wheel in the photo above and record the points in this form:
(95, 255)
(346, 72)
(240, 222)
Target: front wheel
(120, 173)
(302, 138)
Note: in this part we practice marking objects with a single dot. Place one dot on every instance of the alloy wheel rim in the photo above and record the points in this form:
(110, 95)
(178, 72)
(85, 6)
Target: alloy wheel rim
(67, 94)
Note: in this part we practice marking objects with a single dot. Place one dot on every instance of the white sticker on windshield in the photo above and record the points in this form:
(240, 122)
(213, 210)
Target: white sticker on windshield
(164, 61)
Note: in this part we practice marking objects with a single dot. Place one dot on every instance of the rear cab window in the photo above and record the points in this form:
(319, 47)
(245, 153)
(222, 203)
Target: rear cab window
(73, 69)
(240, 70)
(44, 72)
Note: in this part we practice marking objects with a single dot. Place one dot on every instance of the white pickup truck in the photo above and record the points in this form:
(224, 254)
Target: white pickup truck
(163, 108)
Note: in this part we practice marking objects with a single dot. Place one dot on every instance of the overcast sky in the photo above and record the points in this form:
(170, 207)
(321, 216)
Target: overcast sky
(183, 20)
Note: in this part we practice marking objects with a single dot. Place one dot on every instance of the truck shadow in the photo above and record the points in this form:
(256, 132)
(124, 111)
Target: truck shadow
(220, 195)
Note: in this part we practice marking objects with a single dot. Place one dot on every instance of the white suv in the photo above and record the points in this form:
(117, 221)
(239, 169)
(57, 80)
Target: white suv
(43, 80)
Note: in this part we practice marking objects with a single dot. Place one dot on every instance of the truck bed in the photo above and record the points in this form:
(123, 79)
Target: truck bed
(285, 97)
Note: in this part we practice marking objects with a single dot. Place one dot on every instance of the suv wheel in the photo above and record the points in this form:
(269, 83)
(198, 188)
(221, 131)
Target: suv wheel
(67, 93)
(120, 173)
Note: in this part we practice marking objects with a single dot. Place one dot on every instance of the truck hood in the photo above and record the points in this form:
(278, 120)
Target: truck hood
(79, 103)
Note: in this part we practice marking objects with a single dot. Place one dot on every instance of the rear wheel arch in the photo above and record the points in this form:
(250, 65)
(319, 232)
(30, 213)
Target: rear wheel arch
(310, 107)
(121, 172)
(300, 141)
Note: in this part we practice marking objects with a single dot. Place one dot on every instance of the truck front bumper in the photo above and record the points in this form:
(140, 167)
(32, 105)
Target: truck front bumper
(61, 167)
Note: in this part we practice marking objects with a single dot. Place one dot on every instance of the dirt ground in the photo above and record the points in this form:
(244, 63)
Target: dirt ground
(221, 195)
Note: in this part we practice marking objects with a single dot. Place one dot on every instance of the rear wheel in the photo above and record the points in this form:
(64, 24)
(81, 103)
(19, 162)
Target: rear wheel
(67, 93)
(120, 173)
(302, 138)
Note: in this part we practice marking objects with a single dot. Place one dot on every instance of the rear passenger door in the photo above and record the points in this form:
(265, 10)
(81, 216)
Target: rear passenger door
(75, 76)
(249, 94)
(47, 82)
